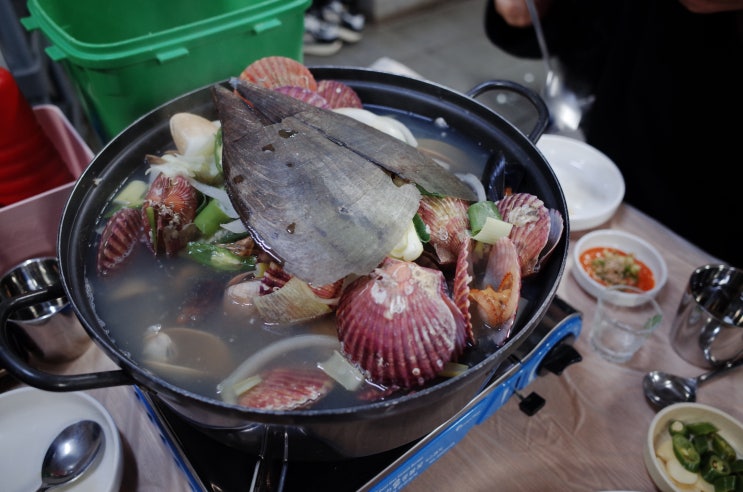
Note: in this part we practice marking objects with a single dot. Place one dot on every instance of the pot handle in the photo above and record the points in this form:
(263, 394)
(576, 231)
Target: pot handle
(543, 113)
(18, 367)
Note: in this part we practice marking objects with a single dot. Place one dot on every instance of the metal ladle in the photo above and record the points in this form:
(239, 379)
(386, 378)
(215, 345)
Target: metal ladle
(663, 389)
(71, 453)
(565, 107)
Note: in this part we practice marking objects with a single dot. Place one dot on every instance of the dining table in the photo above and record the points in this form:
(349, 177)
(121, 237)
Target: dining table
(588, 436)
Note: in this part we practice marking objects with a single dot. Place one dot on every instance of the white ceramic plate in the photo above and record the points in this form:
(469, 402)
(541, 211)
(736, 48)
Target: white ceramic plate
(624, 241)
(31, 418)
(591, 182)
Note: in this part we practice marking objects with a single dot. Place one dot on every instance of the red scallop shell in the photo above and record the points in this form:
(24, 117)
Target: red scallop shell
(123, 230)
(275, 71)
(306, 95)
(531, 227)
(285, 388)
(463, 276)
(447, 221)
(174, 202)
(338, 95)
(398, 324)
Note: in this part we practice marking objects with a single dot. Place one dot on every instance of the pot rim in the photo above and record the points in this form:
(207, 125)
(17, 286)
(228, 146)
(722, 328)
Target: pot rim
(94, 177)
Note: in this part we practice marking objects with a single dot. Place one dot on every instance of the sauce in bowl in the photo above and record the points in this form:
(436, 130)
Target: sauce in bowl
(612, 266)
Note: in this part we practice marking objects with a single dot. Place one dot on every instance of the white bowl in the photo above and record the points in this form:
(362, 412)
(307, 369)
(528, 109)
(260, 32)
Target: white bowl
(32, 418)
(627, 243)
(591, 182)
(728, 427)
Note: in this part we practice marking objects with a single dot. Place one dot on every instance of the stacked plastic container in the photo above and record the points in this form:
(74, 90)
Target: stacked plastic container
(41, 156)
(126, 58)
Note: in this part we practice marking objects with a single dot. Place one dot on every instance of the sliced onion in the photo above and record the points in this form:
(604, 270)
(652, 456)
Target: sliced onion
(256, 362)
(473, 182)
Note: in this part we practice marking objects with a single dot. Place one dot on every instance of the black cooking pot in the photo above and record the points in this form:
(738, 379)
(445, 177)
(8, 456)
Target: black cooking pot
(311, 434)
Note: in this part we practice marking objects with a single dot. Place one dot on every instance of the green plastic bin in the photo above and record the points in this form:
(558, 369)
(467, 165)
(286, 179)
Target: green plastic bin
(127, 57)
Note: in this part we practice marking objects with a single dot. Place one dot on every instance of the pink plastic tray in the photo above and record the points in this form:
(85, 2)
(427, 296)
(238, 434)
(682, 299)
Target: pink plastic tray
(29, 228)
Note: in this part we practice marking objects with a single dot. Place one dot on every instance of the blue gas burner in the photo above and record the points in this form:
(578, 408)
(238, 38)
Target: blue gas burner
(212, 466)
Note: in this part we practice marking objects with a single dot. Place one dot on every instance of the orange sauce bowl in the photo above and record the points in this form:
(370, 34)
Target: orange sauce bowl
(606, 257)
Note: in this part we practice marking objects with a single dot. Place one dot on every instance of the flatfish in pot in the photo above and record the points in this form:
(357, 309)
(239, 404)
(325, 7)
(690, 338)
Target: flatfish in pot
(352, 187)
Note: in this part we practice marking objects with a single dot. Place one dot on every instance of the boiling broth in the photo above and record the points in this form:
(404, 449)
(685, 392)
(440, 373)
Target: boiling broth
(146, 295)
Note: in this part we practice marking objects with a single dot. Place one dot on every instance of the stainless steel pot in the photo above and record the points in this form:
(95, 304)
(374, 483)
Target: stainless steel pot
(311, 434)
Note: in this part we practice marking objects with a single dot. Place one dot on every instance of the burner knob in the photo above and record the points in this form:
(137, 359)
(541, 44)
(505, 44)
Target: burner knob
(559, 357)
(530, 404)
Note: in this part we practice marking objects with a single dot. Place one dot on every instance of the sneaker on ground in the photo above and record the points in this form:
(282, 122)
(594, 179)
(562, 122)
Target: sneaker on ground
(349, 25)
(321, 38)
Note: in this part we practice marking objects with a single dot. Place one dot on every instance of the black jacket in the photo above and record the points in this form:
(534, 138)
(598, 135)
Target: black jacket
(668, 104)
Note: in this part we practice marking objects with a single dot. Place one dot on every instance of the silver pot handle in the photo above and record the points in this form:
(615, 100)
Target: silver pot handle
(27, 374)
(543, 114)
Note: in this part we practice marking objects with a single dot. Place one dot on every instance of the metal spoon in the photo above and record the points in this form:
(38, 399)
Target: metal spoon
(565, 107)
(663, 389)
(71, 453)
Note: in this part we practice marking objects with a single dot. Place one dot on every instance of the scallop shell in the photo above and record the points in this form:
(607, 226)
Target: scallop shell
(174, 203)
(398, 324)
(338, 95)
(285, 388)
(306, 95)
(276, 71)
(463, 276)
(531, 228)
(122, 232)
(447, 222)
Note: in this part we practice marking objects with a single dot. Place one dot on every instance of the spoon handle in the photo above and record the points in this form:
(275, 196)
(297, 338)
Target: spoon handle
(719, 371)
(537, 23)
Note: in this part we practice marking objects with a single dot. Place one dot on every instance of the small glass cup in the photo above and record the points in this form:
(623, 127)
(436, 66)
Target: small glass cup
(620, 328)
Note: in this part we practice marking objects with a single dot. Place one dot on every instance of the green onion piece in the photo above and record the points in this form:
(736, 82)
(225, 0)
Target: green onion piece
(421, 228)
(492, 230)
(245, 385)
(452, 369)
(479, 212)
(132, 195)
(210, 218)
(150, 212)
(218, 257)
(218, 149)
(340, 369)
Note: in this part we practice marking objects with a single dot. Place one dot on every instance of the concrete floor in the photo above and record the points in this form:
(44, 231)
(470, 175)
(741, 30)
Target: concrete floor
(444, 42)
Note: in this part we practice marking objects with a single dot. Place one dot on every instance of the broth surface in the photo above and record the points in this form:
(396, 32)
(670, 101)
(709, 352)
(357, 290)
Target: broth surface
(147, 294)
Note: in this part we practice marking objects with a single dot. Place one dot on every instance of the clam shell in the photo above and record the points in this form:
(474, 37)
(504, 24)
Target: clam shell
(122, 232)
(180, 354)
(498, 300)
(398, 324)
(447, 221)
(531, 228)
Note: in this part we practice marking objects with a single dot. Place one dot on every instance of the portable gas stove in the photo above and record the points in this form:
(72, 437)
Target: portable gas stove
(212, 466)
